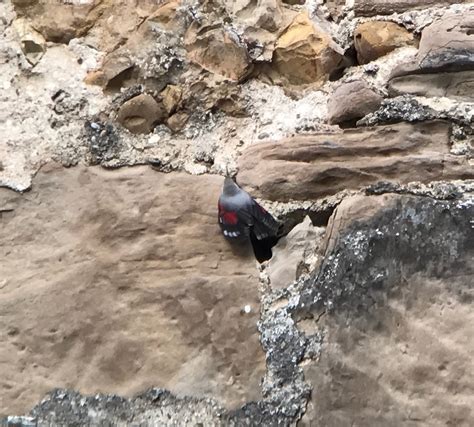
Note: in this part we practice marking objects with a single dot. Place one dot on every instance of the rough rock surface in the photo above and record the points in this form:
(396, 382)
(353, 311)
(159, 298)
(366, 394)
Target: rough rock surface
(305, 54)
(352, 101)
(308, 167)
(124, 283)
(444, 65)
(396, 311)
(387, 7)
(291, 255)
(141, 114)
(374, 39)
(118, 281)
(218, 50)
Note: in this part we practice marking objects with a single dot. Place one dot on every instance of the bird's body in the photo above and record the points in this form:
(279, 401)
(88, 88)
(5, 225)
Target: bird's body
(242, 218)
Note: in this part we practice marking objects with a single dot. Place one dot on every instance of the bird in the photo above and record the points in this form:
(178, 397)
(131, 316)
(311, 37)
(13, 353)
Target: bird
(242, 219)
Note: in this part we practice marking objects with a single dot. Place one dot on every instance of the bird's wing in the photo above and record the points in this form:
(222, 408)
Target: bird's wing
(264, 225)
(234, 226)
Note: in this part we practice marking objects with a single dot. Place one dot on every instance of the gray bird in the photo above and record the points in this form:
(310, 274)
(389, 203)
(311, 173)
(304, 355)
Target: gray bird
(242, 218)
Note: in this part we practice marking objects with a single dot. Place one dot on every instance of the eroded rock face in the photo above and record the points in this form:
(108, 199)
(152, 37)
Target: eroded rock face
(352, 101)
(387, 7)
(305, 54)
(394, 298)
(124, 282)
(444, 65)
(141, 113)
(308, 167)
(218, 50)
(374, 39)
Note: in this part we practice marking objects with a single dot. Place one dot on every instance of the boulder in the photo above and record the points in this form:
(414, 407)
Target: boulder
(124, 281)
(374, 39)
(444, 65)
(218, 50)
(314, 166)
(352, 101)
(141, 114)
(305, 54)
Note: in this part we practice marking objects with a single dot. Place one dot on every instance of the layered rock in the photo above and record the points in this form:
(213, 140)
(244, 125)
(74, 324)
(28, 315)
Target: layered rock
(124, 282)
(374, 39)
(387, 7)
(444, 65)
(309, 167)
(394, 298)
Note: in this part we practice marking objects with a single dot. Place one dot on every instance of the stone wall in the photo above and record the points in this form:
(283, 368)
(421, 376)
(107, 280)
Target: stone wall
(350, 121)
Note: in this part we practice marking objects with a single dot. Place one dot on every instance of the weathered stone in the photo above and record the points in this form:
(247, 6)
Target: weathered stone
(116, 68)
(124, 282)
(140, 114)
(166, 16)
(335, 8)
(313, 166)
(444, 65)
(57, 21)
(305, 54)
(374, 39)
(33, 43)
(352, 101)
(218, 51)
(287, 262)
(394, 299)
(177, 121)
(265, 14)
(387, 7)
(171, 98)
(457, 85)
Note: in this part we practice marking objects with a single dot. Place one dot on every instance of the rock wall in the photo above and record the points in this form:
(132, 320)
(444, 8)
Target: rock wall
(350, 121)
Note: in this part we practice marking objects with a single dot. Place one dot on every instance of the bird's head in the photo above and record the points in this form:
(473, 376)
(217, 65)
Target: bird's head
(230, 187)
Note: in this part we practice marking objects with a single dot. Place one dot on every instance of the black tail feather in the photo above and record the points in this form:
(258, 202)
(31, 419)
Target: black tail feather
(262, 249)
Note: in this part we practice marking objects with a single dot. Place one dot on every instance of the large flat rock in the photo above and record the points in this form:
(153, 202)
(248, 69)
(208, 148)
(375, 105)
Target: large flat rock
(313, 166)
(116, 281)
(394, 299)
(444, 65)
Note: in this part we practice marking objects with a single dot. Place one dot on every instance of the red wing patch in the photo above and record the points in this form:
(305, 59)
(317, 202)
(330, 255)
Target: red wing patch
(227, 217)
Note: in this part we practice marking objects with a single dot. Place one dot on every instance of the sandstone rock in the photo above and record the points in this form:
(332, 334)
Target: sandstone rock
(166, 16)
(313, 166)
(177, 121)
(444, 64)
(171, 98)
(140, 114)
(57, 21)
(218, 50)
(374, 39)
(351, 101)
(264, 14)
(335, 8)
(394, 299)
(387, 7)
(456, 85)
(305, 54)
(115, 70)
(33, 43)
(287, 263)
(124, 282)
